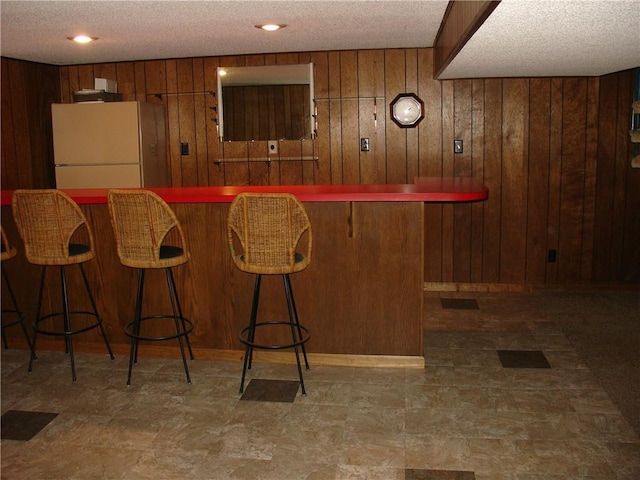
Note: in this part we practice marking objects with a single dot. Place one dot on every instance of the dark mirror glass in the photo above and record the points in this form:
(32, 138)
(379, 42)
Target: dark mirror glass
(266, 103)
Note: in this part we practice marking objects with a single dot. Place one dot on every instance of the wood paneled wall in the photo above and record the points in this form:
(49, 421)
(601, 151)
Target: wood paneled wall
(28, 90)
(554, 152)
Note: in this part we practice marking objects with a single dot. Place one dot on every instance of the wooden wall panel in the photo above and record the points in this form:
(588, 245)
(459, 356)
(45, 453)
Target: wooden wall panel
(572, 179)
(373, 164)
(9, 148)
(448, 134)
(630, 258)
(554, 152)
(430, 129)
(624, 210)
(140, 89)
(492, 243)
(350, 142)
(126, 75)
(555, 142)
(396, 138)
(515, 125)
(462, 118)
(590, 179)
(28, 90)
(412, 162)
(477, 171)
(538, 179)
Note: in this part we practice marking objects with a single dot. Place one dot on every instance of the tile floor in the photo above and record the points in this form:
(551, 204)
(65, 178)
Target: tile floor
(465, 416)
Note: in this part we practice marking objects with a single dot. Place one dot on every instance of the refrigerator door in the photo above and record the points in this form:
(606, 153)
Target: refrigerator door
(98, 176)
(96, 133)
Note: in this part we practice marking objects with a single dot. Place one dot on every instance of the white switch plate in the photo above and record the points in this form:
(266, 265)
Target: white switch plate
(273, 147)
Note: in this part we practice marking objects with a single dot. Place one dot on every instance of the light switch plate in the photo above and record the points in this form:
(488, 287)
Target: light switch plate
(457, 146)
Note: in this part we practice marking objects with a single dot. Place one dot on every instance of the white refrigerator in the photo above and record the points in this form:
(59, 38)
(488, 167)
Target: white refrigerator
(110, 145)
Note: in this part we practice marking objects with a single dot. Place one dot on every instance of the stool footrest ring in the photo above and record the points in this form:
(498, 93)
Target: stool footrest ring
(18, 313)
(39, 320)
(297, 343)
(128, 329)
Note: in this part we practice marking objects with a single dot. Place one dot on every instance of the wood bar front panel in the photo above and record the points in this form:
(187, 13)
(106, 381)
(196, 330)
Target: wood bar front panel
(362, 293)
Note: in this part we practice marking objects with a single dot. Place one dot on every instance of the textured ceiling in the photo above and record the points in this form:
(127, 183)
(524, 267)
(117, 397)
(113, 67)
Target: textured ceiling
(528, 38)
(520, 38)
(141, 30)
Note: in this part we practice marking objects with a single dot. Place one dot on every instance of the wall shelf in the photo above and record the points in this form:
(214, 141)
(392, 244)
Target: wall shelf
(267, 160)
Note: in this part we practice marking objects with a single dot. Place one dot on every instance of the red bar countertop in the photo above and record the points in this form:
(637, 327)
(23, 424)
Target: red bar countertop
(424, 189)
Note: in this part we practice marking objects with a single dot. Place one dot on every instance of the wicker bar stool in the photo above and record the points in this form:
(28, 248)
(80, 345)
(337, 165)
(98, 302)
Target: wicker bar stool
(48, 222)
(7, 252)
(264, 231)
(141, 222)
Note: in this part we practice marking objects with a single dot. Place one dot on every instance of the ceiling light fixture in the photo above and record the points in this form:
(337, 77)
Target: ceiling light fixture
(82, 39)
(270, 27)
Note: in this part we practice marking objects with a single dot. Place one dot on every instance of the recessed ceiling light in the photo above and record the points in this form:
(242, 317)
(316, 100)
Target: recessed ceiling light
(82, 39)
(270, 27)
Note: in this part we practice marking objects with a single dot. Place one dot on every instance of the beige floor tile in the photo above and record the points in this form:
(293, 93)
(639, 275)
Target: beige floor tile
(462, 412)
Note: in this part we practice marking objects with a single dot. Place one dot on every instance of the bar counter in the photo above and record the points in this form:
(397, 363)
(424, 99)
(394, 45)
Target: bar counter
(424, 189)
(361, 297)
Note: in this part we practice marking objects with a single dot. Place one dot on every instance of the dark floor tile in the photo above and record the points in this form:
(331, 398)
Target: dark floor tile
(460, 303)
(20, 425)
(410, 474)
(523, 359)
(271, 391)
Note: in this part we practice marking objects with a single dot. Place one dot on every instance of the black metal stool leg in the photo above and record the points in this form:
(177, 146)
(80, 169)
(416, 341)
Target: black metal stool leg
(177, 311)
(248, 351)
(67, 322)
(95, 311)
(295, 336)
(184, 324)
(296, 318)
(133, 353)
(254, 316)
(37, 319)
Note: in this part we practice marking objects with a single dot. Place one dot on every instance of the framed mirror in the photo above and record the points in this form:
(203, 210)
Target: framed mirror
(273, 102)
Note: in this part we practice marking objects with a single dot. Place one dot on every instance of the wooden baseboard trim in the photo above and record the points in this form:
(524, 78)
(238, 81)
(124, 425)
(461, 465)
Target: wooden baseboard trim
(523, 288)
(340, 360)
(288, 357)
(476, 287)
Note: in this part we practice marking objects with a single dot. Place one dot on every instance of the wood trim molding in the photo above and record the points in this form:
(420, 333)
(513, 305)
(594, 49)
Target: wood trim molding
(461, 20)
(524, 288)
(285, 357)
(476, 287)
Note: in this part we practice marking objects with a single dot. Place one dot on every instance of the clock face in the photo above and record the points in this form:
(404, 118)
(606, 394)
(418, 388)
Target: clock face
(407, 110)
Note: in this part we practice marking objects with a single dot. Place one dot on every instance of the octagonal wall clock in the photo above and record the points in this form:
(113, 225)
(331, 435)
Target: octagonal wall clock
(407, 110)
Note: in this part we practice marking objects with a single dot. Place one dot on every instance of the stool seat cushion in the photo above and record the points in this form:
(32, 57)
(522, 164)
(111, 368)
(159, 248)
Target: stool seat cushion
(78, 249)
(170, 251)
